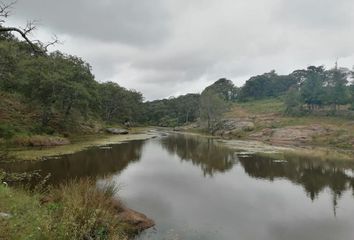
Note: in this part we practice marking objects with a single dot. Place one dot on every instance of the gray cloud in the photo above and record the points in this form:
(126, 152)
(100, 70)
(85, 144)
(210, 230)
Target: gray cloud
(170, 47)
(316, 14)
(131, 21)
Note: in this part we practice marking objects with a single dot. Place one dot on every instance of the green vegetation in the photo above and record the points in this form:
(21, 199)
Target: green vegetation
(319, 90)
(209, 105)
(337, 132)
(46, 98)
(269, 105)
(212, 107)
(76, 210)
(265, 86)
(171, 112)
(56, 94)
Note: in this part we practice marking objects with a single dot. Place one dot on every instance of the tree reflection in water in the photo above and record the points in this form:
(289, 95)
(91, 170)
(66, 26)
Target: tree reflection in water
(313, 175)
(203, 152)
(212, 158)
(93, 162)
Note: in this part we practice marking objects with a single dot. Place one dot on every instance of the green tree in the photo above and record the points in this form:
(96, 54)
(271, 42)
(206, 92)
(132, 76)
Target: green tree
(337, 92)
(293, 102)
(212, 106)
(225, 89)
(117, 103)
(312, 86)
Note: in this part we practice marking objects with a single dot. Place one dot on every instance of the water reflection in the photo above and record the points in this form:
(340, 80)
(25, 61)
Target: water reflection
(235, 197)
(93, 162)
(314, 175)
(202, 152)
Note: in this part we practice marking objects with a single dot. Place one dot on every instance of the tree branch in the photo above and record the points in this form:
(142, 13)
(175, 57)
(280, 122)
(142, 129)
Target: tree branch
(22, 33)
(5, 10)
(36, 45)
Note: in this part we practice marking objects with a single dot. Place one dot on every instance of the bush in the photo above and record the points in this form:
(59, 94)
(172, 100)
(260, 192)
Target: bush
(85, 212)
(75, 210)
(39, 141)
(7, 131)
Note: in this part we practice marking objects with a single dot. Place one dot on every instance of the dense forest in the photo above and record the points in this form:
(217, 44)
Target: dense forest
(57, 93)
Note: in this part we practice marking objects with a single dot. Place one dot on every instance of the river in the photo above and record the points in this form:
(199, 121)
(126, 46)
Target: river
(196, 188)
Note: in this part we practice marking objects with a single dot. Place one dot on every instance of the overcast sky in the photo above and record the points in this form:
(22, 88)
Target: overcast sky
(169, 47)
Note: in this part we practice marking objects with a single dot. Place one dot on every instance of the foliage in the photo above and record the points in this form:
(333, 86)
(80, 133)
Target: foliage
(60, 94)
(60, 89)
(117, 104)
(212, 106)
(75, 210)
(266, 85)
(318, 88)
(224, 88)
(293, 102)
(172, 112)
(311, 89)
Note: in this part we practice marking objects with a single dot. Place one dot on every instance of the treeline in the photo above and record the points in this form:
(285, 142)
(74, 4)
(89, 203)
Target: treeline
(306, 90)
(320, 89)
(172, 111)
(267, 85)
(209, 105)
(63, 92)
(61, 89)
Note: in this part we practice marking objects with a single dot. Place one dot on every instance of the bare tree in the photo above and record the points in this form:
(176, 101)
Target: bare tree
(36, 45)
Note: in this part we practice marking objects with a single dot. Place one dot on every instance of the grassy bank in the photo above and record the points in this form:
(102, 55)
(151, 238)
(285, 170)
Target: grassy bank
(75, 210)
(77, 143)
(269, 114)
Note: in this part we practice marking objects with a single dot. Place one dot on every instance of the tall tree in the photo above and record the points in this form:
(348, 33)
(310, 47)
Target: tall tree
(312, 88)
(225, 89)
(337, 92)
(212, 106)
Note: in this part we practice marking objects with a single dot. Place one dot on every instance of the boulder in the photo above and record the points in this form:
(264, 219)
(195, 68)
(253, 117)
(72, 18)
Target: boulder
(233, 127)
(117, 131)
(178, 129)
(290, 135)
(136, 220)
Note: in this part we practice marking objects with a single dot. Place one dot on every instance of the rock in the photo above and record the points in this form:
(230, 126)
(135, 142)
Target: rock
(117, 131)
(5, 215)
(137, 220)
(291, 135)
(178, 129)
(42, 141)
(262, 135)
(233, 127)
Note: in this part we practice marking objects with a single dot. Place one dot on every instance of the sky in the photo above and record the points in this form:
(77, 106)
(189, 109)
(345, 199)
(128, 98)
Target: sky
(166, 48)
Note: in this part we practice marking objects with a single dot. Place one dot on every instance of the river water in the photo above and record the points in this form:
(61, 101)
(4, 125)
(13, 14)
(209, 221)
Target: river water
(195, 188)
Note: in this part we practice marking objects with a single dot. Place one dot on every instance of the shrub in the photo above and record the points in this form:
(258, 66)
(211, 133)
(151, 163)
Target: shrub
(75, 210)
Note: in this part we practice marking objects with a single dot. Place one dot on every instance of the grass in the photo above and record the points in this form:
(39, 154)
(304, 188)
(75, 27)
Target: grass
(78, 143)
(271, 105)
(318, 153)
(269, 113)
(75, 210)
(39, 141)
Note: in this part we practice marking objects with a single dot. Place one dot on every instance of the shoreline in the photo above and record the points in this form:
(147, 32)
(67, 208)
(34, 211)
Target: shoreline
(274, 150)
(80, 143)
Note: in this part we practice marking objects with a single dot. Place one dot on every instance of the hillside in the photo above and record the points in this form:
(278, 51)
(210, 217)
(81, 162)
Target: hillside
(264, 120)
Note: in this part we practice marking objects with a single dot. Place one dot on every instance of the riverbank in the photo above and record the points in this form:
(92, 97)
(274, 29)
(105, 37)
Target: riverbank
(77, 144)
(85, 211)
(74, 210)
(263, 121)
(247, 146)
